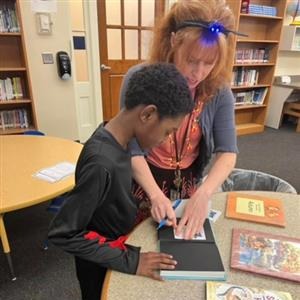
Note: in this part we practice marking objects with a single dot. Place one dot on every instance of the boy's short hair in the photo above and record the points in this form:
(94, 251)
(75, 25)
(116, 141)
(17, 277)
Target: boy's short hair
(162, 85)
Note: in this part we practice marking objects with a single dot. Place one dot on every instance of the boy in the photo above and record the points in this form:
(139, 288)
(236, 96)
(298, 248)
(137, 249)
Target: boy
(100, 210)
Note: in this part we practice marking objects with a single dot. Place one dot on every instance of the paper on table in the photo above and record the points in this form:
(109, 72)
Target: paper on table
(56, 172)
(214, 214)
(198, 236)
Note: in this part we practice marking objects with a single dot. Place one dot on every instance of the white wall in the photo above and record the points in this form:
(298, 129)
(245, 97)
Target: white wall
(288, 62)
(54, 98)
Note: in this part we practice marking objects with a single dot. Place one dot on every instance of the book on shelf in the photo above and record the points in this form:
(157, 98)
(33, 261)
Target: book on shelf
(266, 254)
(252, 97)
(259, 96)
(264, 10)
(197, 259)
(245, 77)
(15, 118)
(252, 55)
(221, 290)
(245, 6)
(10, 89)
(255, 208)
(8, 18)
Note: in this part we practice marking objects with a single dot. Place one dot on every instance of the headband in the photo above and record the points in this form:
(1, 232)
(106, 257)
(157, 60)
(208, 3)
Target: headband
(210, 27)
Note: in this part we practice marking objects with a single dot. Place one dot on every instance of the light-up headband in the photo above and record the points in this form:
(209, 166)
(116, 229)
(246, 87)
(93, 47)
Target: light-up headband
(211, 27)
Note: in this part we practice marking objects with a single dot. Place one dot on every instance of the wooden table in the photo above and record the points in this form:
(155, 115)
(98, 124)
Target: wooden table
(20, 157)
(130, 287)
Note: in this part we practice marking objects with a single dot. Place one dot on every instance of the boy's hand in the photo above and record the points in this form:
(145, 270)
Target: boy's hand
(162, 208)
(151, 262)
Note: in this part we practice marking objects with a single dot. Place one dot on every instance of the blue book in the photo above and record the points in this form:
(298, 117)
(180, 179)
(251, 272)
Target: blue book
(197, 259)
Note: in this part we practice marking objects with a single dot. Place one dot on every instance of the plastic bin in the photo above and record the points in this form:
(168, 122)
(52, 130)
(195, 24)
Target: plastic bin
(246, 180)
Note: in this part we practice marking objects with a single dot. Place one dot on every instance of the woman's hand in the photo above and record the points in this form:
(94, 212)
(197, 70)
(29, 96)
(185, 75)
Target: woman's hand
(196, 209)
(151, 262)
(195, 213)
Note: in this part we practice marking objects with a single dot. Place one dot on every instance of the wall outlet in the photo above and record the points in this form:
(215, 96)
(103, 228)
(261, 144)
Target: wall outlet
(47, 58)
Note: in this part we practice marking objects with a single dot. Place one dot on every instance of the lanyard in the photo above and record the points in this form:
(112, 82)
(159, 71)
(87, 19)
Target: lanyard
(178, 156)
(179, 152)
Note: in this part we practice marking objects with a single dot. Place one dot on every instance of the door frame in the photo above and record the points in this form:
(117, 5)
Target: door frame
(91, 30)
(91, 20)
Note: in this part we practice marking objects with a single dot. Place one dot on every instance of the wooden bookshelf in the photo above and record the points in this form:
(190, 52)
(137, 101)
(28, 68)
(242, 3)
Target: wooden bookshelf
(264, 33)
(17, 113)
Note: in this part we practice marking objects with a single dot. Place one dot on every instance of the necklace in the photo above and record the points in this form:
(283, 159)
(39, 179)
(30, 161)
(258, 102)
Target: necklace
(185, 146)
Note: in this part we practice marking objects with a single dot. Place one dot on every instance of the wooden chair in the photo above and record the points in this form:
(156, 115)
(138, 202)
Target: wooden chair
(292, 109)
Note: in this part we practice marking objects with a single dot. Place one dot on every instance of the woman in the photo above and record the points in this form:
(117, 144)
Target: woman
(195, 35)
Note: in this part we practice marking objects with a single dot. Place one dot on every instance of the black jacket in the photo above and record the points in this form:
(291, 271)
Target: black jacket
(100, 210)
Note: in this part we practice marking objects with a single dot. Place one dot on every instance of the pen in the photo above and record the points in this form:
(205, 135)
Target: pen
(164, 221)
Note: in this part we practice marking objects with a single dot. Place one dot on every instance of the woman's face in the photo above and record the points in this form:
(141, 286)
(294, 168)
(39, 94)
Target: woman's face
(195, 63)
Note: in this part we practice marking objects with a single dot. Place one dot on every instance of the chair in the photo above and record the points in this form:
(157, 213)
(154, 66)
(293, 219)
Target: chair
(53, 207)
(33, 132)
(242, 180)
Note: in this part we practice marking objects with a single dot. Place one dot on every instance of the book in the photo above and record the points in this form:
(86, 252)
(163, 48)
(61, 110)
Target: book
(266, 254)
(245, 6)
(255, 208)
(259, 96)
(221, 291)
(197, 259)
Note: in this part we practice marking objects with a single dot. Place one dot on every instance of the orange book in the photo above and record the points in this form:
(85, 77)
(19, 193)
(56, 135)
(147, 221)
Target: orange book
(255, 208)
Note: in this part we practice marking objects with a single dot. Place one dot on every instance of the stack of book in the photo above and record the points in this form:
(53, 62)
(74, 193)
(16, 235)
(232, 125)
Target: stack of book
(256, 9)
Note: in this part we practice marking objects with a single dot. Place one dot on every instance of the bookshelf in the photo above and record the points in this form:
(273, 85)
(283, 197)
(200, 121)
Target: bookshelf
(254, 60)
(17, 112)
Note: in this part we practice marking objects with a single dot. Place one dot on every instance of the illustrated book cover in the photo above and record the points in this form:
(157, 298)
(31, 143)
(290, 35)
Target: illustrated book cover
(255, 209)
(265, 253)
(197, 259)
(221, 291)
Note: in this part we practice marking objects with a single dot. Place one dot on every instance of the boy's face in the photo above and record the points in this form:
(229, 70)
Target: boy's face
(154, 130)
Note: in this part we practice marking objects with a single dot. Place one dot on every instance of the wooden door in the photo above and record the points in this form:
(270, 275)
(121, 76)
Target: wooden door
(124, 34)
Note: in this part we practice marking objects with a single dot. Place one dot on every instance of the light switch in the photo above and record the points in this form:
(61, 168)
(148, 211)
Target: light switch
(44, 23)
